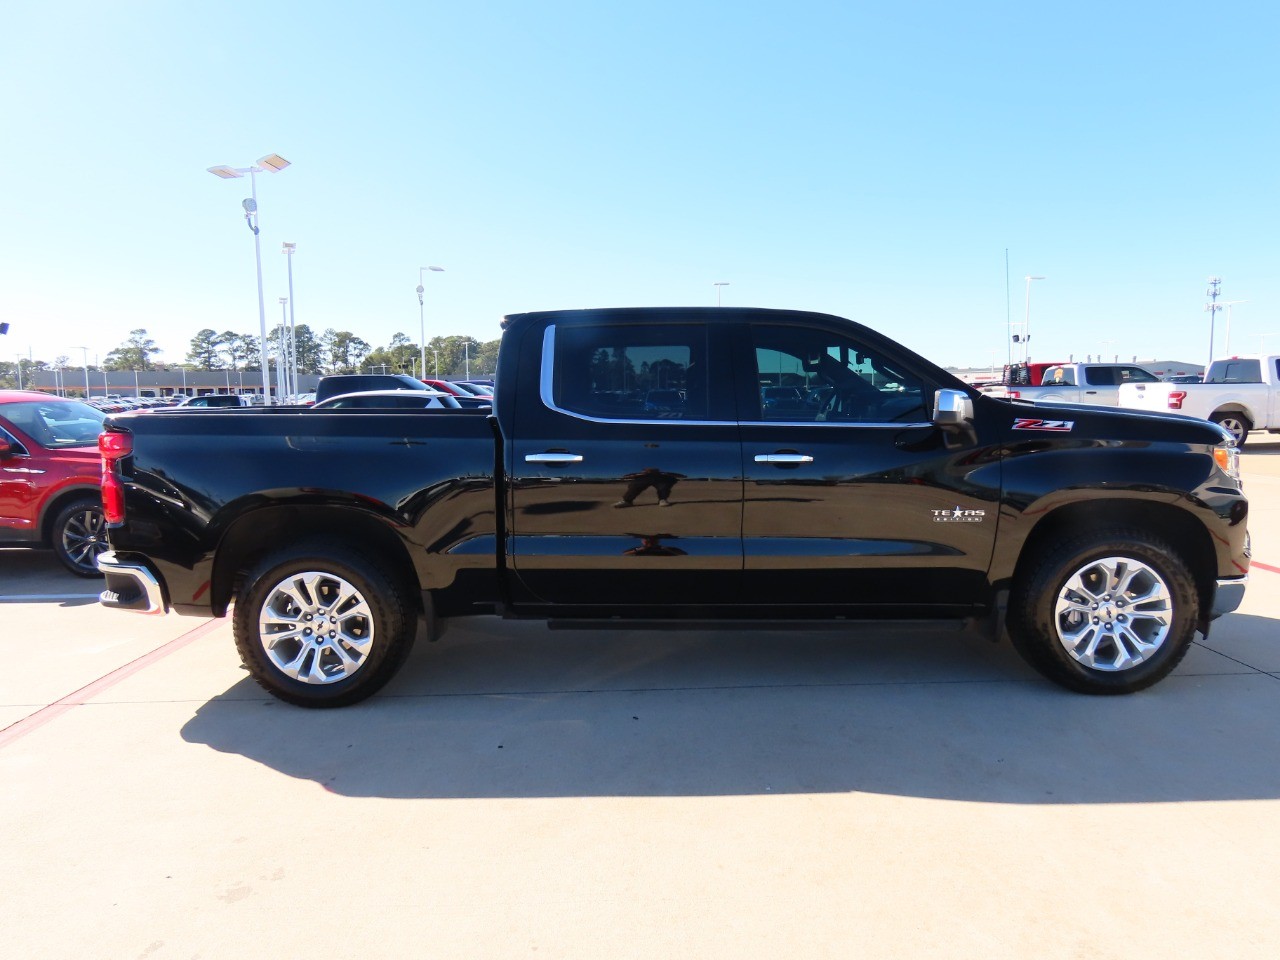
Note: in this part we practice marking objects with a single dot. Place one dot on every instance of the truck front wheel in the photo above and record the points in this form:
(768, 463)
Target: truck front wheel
(320, 626)
(1236, 424)
(1107, 612)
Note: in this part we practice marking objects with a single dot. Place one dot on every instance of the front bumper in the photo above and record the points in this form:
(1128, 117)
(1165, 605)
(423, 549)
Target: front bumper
(130, 586)
(1227, 596)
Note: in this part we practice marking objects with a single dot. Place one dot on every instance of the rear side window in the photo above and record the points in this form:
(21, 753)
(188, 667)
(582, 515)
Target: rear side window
(631, 372)
(1100, 376)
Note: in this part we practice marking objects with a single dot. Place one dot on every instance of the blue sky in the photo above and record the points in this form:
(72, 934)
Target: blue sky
(864, 160)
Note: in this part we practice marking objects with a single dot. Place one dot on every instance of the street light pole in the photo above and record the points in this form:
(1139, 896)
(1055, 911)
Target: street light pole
(719, 284)
(466, 354)
(1026, 323)
(280, 350)
(422, 323)
(1229, 304)
(86, 372)
(271, 163)
(289, 248)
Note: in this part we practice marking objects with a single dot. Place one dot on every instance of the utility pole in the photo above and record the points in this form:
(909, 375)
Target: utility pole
(1212, 308)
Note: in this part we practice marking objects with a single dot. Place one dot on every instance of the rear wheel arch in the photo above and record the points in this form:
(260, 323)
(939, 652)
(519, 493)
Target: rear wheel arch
(1236, 419)
(265, 531)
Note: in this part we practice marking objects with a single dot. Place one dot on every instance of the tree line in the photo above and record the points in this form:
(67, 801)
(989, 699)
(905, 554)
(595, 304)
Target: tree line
(333, 351)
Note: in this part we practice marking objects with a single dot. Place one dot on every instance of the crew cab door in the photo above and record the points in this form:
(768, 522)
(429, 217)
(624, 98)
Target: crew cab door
(853, 497)
(625, 468)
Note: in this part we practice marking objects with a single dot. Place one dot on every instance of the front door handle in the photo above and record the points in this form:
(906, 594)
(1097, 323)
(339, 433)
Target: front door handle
(783, 458)
(553, 458)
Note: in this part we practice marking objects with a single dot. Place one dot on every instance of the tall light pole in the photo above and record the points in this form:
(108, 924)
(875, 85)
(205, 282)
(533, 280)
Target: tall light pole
(1026, 323)
(86, 372)
(466, 361)
(422, 323)
(288, 250)
(271, 163)
(280, 350)
(719, 285)
(1212, 308)
(1229, 304)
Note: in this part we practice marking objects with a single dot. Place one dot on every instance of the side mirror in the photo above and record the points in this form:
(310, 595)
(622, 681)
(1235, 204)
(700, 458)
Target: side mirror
(952, 409)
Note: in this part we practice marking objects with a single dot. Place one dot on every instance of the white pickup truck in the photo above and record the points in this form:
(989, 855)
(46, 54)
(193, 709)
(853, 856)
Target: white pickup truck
(1240, 393)
(1097, 383)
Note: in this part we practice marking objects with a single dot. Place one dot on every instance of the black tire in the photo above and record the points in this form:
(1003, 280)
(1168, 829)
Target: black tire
(1237, 424)
(79, 535)
(342, 651)
(1047, 621)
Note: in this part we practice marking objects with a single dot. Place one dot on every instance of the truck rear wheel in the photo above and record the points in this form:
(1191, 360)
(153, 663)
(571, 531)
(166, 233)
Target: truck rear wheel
(1237, 424)
(1107, 612)
(322, 626)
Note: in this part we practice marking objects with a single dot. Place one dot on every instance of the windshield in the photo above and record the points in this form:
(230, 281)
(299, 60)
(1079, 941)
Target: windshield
(55, 423)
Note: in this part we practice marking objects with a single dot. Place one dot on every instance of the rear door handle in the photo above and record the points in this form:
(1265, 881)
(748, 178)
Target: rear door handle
(783, 458)
(553, 458)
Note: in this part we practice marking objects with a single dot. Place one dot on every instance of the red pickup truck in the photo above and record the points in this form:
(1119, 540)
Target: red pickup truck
(49, 473)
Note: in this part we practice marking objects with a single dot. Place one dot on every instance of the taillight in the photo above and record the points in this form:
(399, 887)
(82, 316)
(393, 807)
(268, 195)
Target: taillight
(114, 447)
(1014, 394)
(1175, 399)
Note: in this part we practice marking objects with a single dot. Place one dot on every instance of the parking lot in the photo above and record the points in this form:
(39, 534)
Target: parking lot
(886, 791)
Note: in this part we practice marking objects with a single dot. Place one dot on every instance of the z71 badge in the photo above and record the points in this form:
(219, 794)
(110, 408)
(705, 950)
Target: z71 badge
(958, 515)
(1058, 426)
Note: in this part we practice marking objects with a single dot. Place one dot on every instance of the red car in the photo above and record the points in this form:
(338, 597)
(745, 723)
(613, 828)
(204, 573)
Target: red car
(49, 474)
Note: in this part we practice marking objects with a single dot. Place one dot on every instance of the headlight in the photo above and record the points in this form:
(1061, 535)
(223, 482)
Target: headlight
(1228, 458)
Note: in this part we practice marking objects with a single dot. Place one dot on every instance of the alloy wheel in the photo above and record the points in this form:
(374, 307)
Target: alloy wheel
(1113, 614)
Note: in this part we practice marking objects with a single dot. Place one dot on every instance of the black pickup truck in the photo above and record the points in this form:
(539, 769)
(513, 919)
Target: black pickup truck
(681, 466)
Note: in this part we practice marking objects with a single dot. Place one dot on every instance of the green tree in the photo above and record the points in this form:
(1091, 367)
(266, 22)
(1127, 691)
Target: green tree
(134, 354)
(241, 350)
(206, 350)
(310, 353)
(401, 356)
(343, 351)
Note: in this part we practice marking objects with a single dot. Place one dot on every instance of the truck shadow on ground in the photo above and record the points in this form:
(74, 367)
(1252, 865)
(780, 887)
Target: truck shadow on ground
(506, 710)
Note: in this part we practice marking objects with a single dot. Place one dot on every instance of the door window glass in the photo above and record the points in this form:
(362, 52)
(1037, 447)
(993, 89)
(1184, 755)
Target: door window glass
(1100, 376)
(806, 375)
(1059, 377)
(1137, 375)
(632, 372)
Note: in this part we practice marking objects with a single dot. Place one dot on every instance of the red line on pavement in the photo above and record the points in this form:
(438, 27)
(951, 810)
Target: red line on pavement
(21, 728)
(1264, 566)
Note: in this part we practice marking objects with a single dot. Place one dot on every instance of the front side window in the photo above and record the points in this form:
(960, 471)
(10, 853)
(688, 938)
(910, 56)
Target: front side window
(1059, 377)
(1136, 375)
(631, 372)
(56, 423)
(808, 375)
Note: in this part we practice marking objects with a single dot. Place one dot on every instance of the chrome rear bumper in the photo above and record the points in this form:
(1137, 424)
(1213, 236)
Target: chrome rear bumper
(130, 586)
